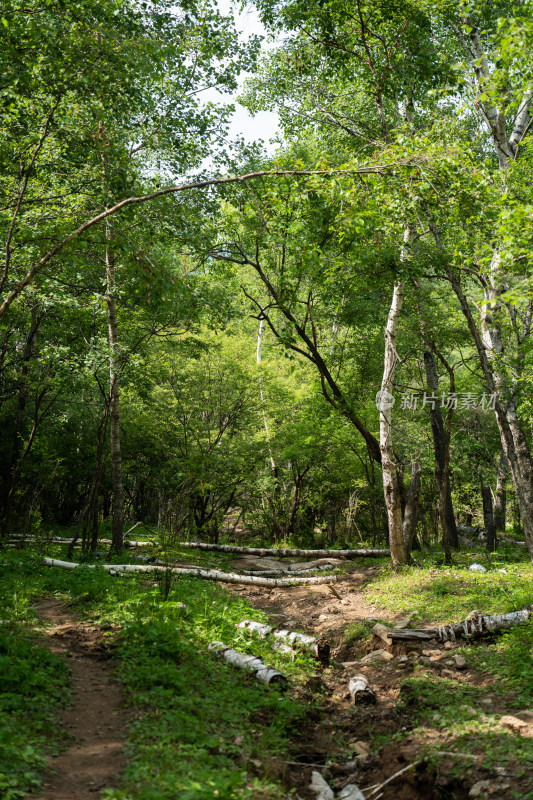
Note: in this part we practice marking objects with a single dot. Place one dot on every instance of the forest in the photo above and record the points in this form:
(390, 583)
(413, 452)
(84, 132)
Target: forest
(266, 406)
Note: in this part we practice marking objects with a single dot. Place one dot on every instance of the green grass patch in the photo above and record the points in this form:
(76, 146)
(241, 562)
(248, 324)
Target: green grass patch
(202, 729)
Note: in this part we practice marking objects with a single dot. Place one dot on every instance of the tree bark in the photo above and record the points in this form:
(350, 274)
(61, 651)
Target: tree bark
(389, 467)
(117, 536)
(282, 552)
(488, 518)
(411, 507)
(500, 495)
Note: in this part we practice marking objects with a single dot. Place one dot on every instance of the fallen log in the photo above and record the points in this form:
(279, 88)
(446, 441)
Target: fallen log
(270, 551)
(19, 537)
(360, 691)
(207, 574)
(264, 674)
(297, 641)
(475, 624)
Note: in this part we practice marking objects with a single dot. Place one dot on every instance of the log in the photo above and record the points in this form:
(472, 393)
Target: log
(206, 574)
(264, 674)
(298, 641)
(475, 624)
(360, 691)
(276, 551)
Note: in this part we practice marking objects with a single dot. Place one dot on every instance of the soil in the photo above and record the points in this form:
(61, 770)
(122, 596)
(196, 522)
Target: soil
(337, 730)
(95, 719)
(325, 742)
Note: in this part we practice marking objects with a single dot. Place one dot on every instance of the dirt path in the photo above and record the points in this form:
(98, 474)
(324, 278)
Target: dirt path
(95, 720)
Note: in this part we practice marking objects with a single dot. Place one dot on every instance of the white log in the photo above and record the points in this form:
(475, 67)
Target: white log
(264, 674)
(298, 641)
(276, 551)
(206, 574)
(360, 691)
(475, 624)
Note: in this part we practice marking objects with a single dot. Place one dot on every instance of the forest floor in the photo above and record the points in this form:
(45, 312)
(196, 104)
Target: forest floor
(149, 714)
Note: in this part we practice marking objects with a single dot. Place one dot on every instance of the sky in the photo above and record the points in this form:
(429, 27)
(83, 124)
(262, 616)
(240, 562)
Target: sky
(264, 125)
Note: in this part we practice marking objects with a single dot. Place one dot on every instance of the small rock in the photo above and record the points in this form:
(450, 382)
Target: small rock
(425, 661)
(460, 662)
(361, 748)
(477, 568)
(525, 715)
(382, 632)
(432, 653)
(487, 701)
(479, 788)
(447, 673)
(377, 656)
(437, 717)
(513, 723)
(322, 617)
(345, 603)
(347, 664)
(351, 792)
(448, 645)
(371, 620)
(412, 655)
(402, 659)
(501, 771)
(403, 623)
(319, 786)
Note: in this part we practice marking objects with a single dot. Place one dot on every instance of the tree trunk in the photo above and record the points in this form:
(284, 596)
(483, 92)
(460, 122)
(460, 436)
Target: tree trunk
(441, 450)
(411, 507)
(117, 537)
(500, 495)
(389, 467)
(488, 518)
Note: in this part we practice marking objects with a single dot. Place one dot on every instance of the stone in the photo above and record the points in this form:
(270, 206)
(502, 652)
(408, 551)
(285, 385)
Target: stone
(403, 660)
(351, 792)
(425, 661)
(361, 748)
(479, 788)
(513, 723)
(432, 653)
(447, 673)
(320, 787)
(525, 715)
(487, 701)
(460, 662)
(371, 620)
(476, 568)
(382, 632)
(403, 623)
(412, 655)
(448, 645)
(322, 617)
(377, 657)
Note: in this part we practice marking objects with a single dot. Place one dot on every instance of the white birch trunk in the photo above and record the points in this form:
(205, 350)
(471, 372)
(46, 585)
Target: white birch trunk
(252, 664)
(389, 468)
(285, 552)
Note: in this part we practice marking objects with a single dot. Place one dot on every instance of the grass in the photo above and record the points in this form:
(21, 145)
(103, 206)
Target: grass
(202, 729)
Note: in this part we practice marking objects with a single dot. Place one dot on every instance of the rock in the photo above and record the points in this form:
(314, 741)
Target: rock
(432, 653)
(361, 748)
(526, 715)
(330, 610)
(351, 792)
(403, 660)
(513, 723)
(487, 701)
(377, 657)
(447, 673)
(382, 632)
(322, 617)
(403, 623)
(413, 655)
(425, 661)
(476, 568)
(448, 645)
(371, 620)
(460, 662)
(320, 787)
(464, 541)
(437, 717)
(479, 788)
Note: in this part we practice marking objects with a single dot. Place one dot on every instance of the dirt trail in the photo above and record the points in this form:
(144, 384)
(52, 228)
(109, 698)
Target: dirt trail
(95, 720)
